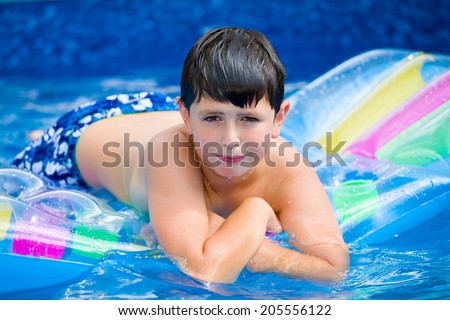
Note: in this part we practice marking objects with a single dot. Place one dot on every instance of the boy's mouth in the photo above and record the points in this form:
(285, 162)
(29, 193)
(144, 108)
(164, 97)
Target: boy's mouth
(231, 159)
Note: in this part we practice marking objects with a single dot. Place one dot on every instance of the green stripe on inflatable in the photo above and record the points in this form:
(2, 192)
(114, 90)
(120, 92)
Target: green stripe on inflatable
(424, 142)
(355, 200)
(93, 243)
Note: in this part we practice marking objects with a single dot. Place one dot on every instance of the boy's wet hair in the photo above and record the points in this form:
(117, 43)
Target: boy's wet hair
(233, 65)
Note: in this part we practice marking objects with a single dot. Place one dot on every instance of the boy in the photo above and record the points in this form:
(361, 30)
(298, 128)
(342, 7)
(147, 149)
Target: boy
(217, 178)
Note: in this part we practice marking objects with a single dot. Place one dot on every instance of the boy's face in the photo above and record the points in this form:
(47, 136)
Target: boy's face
(230, 140)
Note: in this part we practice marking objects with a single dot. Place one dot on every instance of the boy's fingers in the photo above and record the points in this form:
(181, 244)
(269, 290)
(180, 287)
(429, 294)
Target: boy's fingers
(274, 225)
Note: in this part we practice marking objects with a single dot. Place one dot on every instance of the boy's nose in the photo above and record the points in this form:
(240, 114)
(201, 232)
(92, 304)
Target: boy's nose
(230, 138)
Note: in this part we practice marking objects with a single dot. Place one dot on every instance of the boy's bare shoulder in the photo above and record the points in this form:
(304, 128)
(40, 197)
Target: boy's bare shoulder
(174, 133)
(172, 148)
(284, 157)
(293, 172)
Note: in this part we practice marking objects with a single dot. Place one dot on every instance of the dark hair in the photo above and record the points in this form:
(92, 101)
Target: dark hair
(233, 65)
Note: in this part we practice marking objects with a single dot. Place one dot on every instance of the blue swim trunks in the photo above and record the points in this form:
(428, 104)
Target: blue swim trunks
(53, 154)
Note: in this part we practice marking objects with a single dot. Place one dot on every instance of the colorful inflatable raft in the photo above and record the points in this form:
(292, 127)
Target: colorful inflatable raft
(385, 112)
(50, 235)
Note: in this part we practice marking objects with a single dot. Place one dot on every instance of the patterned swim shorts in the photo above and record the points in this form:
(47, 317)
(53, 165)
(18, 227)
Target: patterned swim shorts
(53, 154)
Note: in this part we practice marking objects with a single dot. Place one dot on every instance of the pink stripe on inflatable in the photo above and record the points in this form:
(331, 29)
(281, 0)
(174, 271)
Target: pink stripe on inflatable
(40, 234)
(426, 101)
(39, 241)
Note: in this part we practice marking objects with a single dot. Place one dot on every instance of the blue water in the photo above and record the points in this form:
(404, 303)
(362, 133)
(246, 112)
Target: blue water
(57, 54)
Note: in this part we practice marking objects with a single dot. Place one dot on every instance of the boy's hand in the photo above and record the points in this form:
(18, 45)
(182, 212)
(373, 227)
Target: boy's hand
(263, 258)
(274, 225)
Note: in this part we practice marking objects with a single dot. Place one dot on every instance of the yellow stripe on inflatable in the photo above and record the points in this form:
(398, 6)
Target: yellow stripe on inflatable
(5, 218)
(398, 86)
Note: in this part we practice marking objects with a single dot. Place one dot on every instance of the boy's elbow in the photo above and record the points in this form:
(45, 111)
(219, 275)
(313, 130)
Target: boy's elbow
(214, 275)
(339, 266)
(207, 270)
(339, 272)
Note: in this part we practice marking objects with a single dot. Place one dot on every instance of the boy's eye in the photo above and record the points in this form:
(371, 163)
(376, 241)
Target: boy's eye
(212, 118)
(250, 119)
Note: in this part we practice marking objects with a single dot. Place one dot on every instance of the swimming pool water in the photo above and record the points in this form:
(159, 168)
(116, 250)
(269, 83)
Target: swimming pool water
(49, 65)
(118, 37)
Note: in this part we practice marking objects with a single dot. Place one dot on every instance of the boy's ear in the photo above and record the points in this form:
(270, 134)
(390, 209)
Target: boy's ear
(279, 118)
(183, 110)
(184, 114)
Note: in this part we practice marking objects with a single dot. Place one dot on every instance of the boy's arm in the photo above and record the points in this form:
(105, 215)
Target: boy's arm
(273, 258)
(180, 218)
(306, 215)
